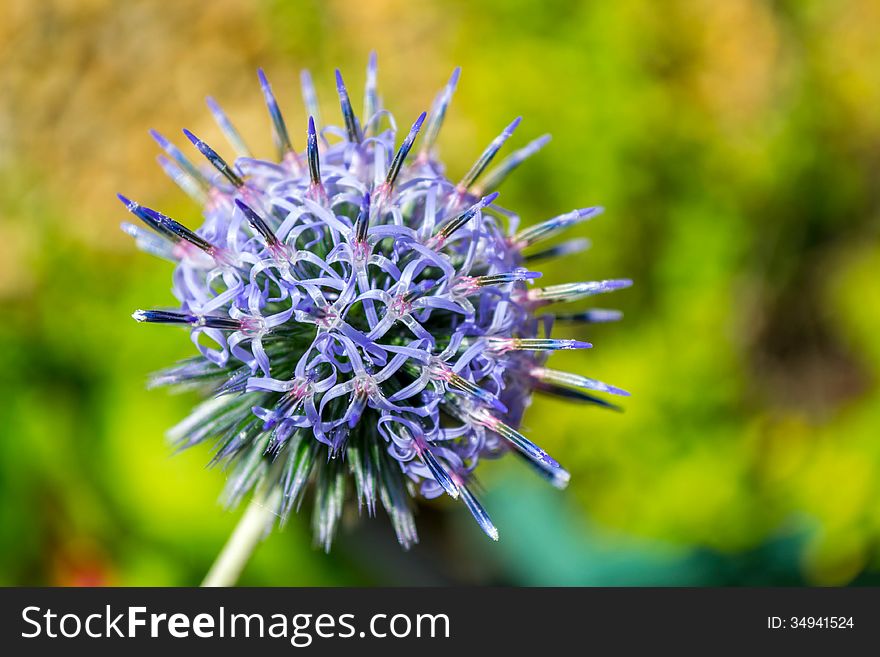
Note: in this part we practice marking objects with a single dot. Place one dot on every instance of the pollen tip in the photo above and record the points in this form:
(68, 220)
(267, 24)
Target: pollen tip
(583, 213)
(497, 404)
(189, 135)
(561, 478)
(160, 139)
(264, 81)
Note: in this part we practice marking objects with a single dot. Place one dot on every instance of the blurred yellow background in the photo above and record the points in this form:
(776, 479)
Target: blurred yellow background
(736, 147)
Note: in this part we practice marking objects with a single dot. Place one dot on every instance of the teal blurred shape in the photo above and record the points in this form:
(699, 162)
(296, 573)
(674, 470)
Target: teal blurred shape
(547, 541)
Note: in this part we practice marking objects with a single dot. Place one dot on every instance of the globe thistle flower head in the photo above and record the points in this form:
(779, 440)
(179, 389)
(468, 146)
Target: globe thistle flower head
(361, 320)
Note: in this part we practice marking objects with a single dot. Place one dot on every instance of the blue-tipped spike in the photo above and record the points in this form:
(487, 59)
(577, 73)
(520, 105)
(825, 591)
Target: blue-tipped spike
(574, 380)
(191, 187)
(566, 248)
(196, 321)
(351, 122)
(166, 226)
(181, 231)
(498, 175)
(310, 98)
(457, 382)
(403, 151)
(141, 213)
(479, 513)
(517, 440)
(162, 317)
(216, 161)
(314, 160)
(282, 139)
(446, 230)
(575, 395)
(258, 224)
(371, 96)
(503, 345)
(232, 135)
(439, 472)
(150, 242)
(182, 160)
(472, 284)
(362, 223)
(486, 158)
(557, 477)
(551, 227)
(575, 291)
(593, 316)
(132, 206)
(438, 112)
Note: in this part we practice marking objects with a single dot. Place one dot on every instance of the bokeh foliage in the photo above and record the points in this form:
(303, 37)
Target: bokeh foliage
(735, 146)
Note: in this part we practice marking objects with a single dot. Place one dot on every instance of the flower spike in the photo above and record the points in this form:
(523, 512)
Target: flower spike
(468, 285)
(310, 98)
(190, 186)
(196, 321)
(280, 134)
(403, 151)
(371, 96)
(574, 380)
(515, 438)
(566, 248)
(479, 513)
(351, 122)
(216, 161)
(447, 229)
(575, 291)
(551, 227)
(500, 173)
(232, 135)
(503, 345)
(259, 225)
(438, 113)
(312, 150)
(594, 316)
(182, 161)
(487, 156)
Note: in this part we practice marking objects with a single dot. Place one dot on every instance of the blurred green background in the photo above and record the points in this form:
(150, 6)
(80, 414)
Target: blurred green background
(736, 147)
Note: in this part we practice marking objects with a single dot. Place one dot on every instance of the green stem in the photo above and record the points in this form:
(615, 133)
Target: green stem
(254, 524)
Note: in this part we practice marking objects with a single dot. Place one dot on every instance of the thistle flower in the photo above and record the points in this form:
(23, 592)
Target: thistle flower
(360, 318)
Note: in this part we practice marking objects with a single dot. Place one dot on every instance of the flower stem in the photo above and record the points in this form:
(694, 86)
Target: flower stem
(251, 528)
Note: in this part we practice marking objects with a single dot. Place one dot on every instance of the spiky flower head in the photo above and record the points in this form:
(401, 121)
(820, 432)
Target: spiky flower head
(359, 314)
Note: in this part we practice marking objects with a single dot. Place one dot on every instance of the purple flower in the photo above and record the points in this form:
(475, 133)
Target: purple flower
(358, 313)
